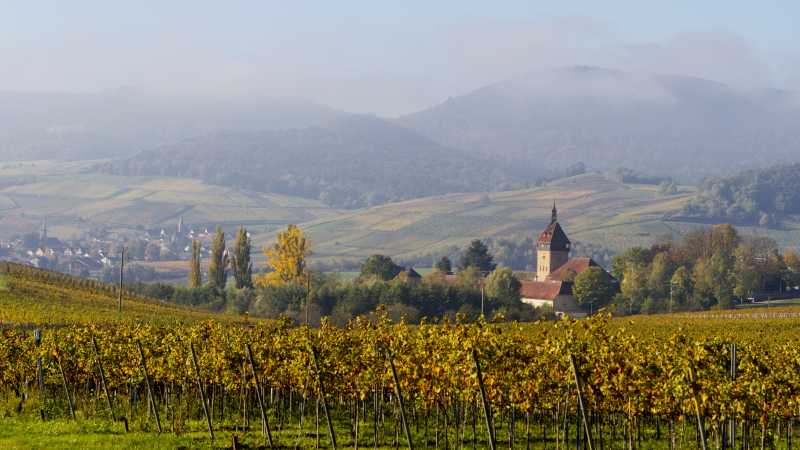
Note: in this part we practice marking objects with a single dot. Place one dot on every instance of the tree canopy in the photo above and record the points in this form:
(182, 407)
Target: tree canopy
(380, 266)
(593, 287)
(287, 258)
(477, 255)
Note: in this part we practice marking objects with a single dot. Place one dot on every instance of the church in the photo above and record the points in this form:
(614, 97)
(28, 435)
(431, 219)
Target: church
(555, 272)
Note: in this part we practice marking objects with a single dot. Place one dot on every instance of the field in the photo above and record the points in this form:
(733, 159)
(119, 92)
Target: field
(643, 380)
(591, 207)
(73, 200)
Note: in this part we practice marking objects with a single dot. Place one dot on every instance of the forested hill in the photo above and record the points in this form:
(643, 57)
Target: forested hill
(350, 162)
(676, 126)
(762, 196)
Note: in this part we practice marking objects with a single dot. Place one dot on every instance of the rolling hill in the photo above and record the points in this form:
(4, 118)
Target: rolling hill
(662, 124)
(75, 200)
(594, 208)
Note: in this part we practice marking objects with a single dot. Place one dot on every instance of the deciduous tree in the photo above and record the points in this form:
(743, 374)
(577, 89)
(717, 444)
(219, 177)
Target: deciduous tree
(380, 266)
(287, 258)
(593, 287)
(503, 286)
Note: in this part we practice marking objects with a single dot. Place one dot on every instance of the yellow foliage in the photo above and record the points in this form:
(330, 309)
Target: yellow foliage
(286, 258)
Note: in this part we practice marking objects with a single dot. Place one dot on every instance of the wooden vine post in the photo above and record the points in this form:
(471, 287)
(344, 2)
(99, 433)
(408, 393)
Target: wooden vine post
(37, 340)
(696, 399)
(732, 424)
(487, 410)
(399, 394)
(149, 387)
(103, 378)
(579, 389)
(322, 394)
(264, 420)
(202, 390)
(121, 271)
(66, 386)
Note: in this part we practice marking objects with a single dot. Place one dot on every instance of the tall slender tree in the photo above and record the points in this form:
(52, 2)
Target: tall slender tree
(241, 263)
(217, 267)
(195, 276)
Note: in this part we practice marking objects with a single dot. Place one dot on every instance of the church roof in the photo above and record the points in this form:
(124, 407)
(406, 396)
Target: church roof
(574, 265)
(544, 290)
(553, 236)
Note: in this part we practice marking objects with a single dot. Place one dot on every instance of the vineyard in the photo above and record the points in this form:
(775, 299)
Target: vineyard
(166, 373)
(30, 296)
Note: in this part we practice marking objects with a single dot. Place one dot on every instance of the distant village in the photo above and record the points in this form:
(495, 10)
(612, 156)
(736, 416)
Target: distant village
(98, 251)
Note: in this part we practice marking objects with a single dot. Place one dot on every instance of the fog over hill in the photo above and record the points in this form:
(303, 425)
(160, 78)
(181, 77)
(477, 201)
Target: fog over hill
(666, 124)
(503, 136)
(119, 124)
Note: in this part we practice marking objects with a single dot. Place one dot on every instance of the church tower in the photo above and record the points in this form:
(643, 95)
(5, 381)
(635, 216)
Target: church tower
(552, 248)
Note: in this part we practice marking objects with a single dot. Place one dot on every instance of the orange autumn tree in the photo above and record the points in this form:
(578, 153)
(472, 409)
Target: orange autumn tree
(286, 258)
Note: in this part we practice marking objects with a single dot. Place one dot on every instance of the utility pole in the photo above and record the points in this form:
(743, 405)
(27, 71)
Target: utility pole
(308, 294)
(671, 298)
(121, 270)
(483, 314)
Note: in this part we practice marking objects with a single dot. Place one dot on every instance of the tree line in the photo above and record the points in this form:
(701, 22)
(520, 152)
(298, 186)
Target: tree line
(704, 268)
(289, 288)
(758, 196)
(713, 267)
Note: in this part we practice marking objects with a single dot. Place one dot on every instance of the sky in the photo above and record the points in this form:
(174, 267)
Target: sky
(381, 57)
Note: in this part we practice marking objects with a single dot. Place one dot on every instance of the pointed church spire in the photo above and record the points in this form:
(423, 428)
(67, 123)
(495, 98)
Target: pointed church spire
(554, 216)
(43, 230)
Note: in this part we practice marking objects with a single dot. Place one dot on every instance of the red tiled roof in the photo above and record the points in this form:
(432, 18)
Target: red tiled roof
(544, 290)
(553, 236)
(576, 265)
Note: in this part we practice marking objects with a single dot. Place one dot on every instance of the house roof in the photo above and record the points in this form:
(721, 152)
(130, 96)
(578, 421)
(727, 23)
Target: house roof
(412, 273)
(544, 290)
(554, 237)
(573, 266)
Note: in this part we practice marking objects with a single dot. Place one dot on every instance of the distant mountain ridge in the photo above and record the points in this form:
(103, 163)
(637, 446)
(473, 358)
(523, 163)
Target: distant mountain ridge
(662, 124)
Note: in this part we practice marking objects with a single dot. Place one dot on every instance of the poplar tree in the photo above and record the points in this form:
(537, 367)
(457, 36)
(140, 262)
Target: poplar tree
(195, 276)
(217, 268)
(241, 263)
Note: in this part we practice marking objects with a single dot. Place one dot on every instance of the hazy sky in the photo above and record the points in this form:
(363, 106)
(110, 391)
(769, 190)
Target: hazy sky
(381, 56)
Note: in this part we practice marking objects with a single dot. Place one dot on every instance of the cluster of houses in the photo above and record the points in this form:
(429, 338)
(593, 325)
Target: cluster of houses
(99, 250)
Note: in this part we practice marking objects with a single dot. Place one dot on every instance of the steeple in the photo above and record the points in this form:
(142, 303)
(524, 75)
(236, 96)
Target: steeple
(554, 213)
(43, 230)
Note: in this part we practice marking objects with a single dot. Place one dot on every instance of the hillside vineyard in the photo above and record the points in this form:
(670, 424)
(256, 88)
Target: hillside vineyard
(637, 388)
